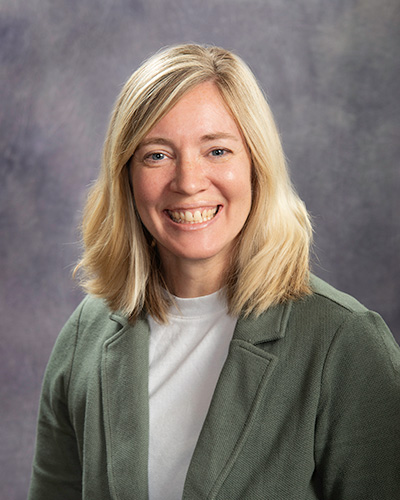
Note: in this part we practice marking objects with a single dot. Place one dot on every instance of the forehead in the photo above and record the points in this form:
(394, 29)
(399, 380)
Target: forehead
(201, 111)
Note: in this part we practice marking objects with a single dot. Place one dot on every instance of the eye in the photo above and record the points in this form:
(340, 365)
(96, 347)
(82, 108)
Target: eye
(155, 156)
(219, 152)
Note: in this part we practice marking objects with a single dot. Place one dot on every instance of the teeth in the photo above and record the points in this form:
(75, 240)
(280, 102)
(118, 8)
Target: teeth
(197, 216)
(193, 218)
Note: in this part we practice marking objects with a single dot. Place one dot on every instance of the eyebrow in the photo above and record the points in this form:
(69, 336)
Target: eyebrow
(218, 135)
(154, 140)
(204, 138)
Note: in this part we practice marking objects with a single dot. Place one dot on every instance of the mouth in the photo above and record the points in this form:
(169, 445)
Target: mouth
(193, 216)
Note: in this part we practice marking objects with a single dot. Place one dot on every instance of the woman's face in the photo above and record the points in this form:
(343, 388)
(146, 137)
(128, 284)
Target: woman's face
(191, 178)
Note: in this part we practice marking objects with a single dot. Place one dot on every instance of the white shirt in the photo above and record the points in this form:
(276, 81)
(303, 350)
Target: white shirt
(186, 358)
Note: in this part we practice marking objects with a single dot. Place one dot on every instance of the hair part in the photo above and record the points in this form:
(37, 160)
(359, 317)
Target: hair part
(270, 263)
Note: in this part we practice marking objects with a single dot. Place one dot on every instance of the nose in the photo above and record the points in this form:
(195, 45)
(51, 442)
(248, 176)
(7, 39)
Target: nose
(190, 176)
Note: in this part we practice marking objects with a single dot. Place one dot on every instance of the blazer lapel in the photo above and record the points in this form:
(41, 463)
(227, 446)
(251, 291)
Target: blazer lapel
(235, 403)
(125, 407)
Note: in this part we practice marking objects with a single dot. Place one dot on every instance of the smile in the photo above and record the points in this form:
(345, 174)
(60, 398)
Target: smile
(195, 217)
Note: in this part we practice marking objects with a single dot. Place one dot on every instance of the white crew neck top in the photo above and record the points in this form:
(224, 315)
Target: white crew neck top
(185, 361)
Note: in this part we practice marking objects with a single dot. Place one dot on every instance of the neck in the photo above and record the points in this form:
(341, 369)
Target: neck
(187, 279)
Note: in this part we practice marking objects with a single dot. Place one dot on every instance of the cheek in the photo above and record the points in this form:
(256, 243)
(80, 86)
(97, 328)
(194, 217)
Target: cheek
(238, 184)
(144, 189)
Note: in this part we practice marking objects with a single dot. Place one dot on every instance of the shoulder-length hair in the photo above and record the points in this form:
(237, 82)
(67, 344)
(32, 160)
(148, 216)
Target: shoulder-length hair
(270, 263)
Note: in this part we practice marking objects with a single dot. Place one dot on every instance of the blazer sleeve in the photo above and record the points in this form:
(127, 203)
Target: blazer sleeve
(56, 471)
(358, 427)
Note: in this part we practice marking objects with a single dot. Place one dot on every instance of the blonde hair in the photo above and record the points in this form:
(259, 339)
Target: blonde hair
(270, 263)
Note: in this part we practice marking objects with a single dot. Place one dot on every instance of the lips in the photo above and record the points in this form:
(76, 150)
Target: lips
(193, 216)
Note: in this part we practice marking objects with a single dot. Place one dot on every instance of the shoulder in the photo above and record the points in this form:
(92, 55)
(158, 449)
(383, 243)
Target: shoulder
(328, 292)
(91, 310)
(79, 344)
(343, 324)
(91, 322)
(337, 300)
(327, 308)
(332, 317)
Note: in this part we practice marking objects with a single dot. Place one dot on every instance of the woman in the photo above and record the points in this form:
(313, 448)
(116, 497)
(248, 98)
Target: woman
(206, 361)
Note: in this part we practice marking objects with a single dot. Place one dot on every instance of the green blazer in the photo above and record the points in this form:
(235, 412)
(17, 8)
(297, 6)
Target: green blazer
(307, 407)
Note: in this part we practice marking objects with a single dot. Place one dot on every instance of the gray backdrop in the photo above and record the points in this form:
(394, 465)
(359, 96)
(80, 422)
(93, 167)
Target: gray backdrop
(331, 71)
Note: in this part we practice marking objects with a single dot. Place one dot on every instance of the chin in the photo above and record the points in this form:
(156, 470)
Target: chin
(195, 253)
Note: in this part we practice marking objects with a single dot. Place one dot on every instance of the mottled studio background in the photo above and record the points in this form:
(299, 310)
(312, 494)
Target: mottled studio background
(331, 71)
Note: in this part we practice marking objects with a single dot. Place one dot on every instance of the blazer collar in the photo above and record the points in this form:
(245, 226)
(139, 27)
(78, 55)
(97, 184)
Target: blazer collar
(269, 326)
